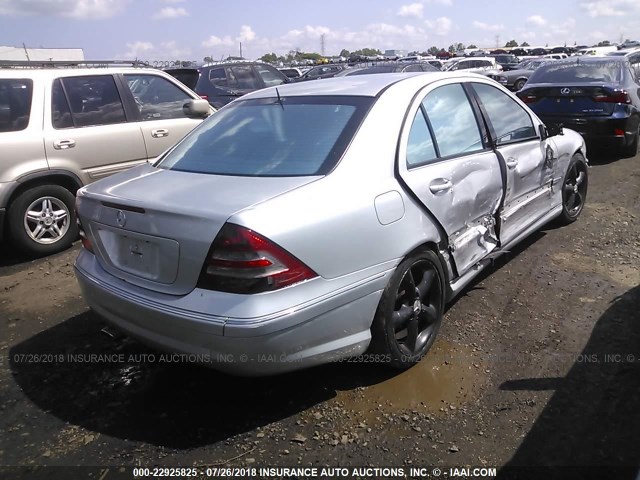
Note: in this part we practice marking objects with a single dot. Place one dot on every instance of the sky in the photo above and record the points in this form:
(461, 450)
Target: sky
(192, 29)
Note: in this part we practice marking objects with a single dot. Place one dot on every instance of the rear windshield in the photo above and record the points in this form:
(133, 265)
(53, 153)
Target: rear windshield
(608, 72)
(367, 71)
(15, 104)
(297, 136)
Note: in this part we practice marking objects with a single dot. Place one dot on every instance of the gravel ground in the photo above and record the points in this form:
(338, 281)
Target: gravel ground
(537, 364)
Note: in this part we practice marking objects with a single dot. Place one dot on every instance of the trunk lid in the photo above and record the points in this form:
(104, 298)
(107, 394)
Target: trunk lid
(154, 227)
(564, 100)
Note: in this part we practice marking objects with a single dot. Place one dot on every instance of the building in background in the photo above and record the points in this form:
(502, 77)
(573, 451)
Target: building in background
(41, 54)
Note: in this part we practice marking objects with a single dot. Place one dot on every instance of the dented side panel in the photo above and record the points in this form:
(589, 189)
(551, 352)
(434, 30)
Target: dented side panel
(530, 172)
(465, 209)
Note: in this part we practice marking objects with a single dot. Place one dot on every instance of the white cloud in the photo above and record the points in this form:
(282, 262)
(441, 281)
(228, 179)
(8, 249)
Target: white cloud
(246, 34)
(611, 8)
(441, 26)
(81, 9)
(170, 12)
(488, 27)
(214, 41)
(446, 3)
(411, 10)
(537, 20)
(169, 50)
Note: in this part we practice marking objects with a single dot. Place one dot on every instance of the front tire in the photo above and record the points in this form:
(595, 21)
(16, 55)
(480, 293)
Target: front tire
(519, 84)
(574, 190)
(410, 310)
(42, 220)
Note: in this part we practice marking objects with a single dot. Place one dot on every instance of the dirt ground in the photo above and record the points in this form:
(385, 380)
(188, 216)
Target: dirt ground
(537, 365)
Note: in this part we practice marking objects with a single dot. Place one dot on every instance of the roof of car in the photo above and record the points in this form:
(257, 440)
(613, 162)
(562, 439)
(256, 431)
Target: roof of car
(46, 73)
(355, 85)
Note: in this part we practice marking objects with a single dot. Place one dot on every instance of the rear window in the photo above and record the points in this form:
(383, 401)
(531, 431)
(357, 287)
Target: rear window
(609, 72)
(15, 104)
(298, 136)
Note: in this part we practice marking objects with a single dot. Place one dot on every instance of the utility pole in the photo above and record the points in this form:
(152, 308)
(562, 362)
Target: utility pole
(322, 45)
(497, 41)
(241, 50)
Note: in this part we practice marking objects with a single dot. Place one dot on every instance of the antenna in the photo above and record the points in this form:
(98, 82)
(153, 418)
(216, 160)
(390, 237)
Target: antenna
(279, 98)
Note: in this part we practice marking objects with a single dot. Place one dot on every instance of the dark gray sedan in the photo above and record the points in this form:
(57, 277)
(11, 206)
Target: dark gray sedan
(515, 79)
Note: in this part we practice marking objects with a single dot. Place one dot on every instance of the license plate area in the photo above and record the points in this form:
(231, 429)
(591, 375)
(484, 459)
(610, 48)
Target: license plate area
(145, 256)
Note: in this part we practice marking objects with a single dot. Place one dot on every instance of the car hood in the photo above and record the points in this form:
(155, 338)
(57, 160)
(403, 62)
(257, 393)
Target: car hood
(177, 213)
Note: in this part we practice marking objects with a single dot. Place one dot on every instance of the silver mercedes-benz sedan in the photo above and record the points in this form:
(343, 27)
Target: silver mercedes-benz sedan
(312, 222)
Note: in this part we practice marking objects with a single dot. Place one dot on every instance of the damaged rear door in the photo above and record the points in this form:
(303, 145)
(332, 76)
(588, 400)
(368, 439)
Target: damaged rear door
(448, 167)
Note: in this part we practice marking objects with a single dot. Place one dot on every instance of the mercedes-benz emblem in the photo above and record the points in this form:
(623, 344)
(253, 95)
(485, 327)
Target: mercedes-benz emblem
(121, 218)
(565, 91)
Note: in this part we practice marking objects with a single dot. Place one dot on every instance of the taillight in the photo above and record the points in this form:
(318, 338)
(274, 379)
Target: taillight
(614, 97)
(243, 261)
(528, 98)
(86, 243)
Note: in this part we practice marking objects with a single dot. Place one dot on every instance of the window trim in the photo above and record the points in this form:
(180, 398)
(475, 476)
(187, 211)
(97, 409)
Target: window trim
(487, 118)
(477, 115)
(31, 103)
(116, 81)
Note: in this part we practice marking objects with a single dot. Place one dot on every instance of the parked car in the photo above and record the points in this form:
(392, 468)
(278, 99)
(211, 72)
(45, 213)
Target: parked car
(314, 222)
(632, 55)
(291, 72)
(62, 128)
(629, 44)
(596, 96)
(473, 64)
(389, 67)
(506, 61)
(516, 79)
(224, 82)
(321, 71)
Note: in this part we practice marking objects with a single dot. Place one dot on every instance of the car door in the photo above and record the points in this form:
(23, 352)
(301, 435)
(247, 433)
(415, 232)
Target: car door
(86, 128)
(448, 168)
(159, 101)
(529, 162)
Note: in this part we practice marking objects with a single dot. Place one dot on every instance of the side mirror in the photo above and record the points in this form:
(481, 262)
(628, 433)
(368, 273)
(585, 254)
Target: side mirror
(554, 129)
(197, 108)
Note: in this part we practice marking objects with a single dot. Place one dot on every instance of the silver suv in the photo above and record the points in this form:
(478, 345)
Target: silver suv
(62, 128)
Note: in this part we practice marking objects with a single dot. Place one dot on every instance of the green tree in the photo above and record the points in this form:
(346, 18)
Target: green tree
(433, 50)
(368, 52)
(207, 59)
(472, 46)
(269, 58)
(345, 53)
(604, 43)
(511, 44)
(525, 44)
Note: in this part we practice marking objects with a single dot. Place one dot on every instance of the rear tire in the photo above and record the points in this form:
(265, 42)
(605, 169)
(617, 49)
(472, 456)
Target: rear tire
(632, 149)
(574, 190)
(410, 310)
(42, 220)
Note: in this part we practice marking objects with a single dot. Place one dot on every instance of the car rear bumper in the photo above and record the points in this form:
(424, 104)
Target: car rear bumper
(330, 329)
(599, 130)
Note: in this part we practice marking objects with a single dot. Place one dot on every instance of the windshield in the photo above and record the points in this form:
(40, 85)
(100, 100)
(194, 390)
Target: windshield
(296, 136)
(607, 72)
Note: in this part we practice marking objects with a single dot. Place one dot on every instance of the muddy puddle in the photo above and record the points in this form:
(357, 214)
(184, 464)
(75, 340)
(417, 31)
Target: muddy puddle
(446, 378)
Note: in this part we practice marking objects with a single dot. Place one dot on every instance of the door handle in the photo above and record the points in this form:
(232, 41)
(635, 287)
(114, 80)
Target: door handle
(64, 144)
(159, 133)
(440, 185)
(512, 162)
